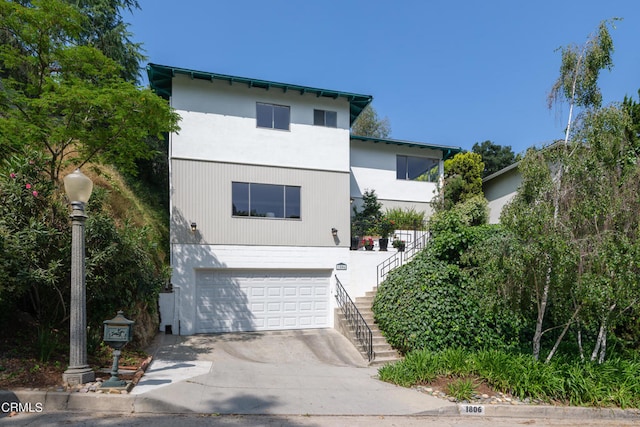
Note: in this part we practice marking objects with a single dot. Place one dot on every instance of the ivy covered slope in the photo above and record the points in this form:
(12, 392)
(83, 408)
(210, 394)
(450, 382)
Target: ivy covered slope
(432, 302)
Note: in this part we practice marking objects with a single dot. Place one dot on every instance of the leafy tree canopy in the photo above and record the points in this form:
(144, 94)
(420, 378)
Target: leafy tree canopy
(368, 124)
(579, 70)
(495, 157)
(68, 100)
(105, 30)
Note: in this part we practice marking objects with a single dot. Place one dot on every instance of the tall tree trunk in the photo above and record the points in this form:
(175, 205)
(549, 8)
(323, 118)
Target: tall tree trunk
(601, 334)
(603, 348)
(573, 98)
(542, 307)
(564, 331)
(580, 348)
(600, 348)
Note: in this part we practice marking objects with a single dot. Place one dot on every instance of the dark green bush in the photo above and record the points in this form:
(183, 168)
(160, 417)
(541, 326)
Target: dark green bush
(430, 304)
(123, 264)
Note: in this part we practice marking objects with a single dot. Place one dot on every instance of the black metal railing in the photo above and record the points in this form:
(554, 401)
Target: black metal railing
(355, 320)
(401, 257)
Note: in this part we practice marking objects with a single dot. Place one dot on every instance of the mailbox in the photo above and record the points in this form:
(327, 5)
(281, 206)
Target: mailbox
(118, 331)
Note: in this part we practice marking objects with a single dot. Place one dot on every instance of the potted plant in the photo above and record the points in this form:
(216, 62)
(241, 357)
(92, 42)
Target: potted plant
(399, 245)
(356, 232)
(367, 242)
(364, 221)
(385, 227)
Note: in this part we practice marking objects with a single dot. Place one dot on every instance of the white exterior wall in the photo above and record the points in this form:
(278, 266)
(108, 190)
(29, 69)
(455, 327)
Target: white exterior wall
(499, 191)
(178, 308)
(220, 125)
(363, 271)
(373, 167)
(186, 259)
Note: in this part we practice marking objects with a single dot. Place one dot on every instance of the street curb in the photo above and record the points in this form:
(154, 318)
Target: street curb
(540, 412)
(66, 401)
(124, 403)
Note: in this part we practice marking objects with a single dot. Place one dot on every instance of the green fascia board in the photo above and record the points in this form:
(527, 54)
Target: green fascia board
(160, 77)
(447, 151)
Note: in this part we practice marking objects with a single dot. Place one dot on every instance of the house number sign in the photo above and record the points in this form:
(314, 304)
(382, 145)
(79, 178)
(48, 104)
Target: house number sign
(341, 266)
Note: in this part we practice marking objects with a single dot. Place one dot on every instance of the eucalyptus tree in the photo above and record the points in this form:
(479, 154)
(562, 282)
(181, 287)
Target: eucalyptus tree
(577, 268)
(569, 249)
(579, 70)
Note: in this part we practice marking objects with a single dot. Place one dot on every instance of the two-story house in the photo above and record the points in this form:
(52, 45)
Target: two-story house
(261, 187)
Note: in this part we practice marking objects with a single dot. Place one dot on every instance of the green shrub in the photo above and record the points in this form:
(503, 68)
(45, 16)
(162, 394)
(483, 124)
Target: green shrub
(365, 221)
(430, 304)
(406, 219)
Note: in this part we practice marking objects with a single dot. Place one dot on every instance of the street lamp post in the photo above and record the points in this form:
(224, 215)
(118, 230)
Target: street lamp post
(78, 188)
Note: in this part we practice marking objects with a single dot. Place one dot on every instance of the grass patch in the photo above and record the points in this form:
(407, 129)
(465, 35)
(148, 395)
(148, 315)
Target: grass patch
(614, 383)
(462, 388)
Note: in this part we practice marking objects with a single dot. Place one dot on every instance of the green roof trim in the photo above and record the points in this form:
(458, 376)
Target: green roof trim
(447, 150)
(160, 77)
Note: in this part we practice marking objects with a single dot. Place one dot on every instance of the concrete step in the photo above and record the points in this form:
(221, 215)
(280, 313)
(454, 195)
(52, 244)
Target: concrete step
(386, 353)
(380, 361)
(383, 352)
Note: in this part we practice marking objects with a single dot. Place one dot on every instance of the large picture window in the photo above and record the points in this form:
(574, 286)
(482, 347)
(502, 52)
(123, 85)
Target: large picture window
(272, 116)
(417, 168)
(265, 200)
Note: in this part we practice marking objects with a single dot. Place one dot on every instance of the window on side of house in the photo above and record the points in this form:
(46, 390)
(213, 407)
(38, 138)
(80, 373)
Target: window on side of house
(413, 168)
(272, 116)
(265, 200)
(325, 118)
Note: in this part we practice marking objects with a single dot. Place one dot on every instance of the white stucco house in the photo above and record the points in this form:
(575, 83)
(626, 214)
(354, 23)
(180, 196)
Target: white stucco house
(499, 189)
(262, 179)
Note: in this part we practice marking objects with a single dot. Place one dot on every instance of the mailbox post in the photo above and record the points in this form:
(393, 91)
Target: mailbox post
(117, 333)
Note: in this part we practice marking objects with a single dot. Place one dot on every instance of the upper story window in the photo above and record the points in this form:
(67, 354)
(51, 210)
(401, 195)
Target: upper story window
(325, 118)
(417, 168)
(265, 200)
(272, 116)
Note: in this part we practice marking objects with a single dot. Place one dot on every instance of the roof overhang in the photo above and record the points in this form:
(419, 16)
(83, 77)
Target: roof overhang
(501, 172)
(160, 78)
(447, 151)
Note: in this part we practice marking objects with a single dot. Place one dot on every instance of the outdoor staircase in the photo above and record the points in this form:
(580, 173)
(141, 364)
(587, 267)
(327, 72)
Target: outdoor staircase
(383, 353)
(376, 348)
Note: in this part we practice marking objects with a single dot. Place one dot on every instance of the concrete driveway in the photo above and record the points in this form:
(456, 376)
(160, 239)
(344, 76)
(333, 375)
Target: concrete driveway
(315, 372)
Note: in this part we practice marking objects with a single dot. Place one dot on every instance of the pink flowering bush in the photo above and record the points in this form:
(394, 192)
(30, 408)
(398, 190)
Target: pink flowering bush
(124, 270)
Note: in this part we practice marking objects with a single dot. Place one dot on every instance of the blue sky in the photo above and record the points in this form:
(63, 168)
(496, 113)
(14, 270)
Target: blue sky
(443, 72)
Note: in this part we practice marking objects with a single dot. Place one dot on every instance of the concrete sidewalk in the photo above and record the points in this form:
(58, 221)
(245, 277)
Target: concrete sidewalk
(314, 372)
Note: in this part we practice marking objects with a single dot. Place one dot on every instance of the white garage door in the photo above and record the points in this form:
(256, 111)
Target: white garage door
(261, 300)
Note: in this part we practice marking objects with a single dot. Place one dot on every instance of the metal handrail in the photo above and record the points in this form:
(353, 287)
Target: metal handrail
(355, 319)
(400, 257)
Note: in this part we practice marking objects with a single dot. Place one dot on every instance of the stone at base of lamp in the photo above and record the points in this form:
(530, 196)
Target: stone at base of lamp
(78, 375)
